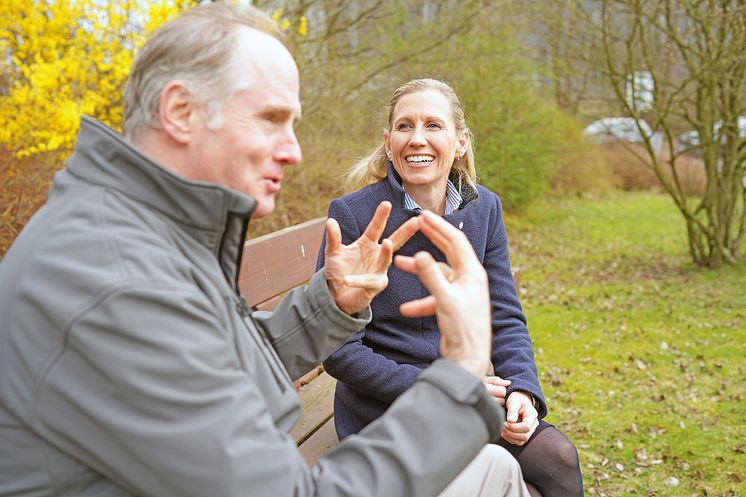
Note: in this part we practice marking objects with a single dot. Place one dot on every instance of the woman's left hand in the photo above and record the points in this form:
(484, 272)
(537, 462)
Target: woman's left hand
(521, 420)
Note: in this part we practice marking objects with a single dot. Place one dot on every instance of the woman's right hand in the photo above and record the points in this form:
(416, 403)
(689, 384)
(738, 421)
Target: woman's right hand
(496, 387)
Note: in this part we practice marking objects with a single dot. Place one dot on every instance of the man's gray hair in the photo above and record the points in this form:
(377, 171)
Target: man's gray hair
(199, 49)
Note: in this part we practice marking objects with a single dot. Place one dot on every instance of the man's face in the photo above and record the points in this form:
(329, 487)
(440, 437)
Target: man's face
(257, 140)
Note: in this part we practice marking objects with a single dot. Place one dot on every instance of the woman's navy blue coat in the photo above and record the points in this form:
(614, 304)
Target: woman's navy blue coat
(380, 362)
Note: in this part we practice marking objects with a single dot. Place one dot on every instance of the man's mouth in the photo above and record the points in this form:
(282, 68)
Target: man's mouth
(273, 184)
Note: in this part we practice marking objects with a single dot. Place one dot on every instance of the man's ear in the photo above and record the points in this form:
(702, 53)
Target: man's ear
(177, 111)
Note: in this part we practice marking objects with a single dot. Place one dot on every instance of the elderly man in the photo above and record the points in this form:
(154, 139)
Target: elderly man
(130, 364)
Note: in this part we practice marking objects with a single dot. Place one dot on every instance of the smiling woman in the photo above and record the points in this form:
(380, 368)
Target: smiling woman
(422, 146)
(426, 162)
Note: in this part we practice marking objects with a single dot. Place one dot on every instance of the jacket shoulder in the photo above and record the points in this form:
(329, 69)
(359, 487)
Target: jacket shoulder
(368, 195)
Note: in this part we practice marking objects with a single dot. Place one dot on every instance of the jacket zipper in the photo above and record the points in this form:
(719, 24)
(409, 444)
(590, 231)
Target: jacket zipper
(275, 365)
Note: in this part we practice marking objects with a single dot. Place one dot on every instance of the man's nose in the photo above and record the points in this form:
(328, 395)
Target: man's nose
(290, 153)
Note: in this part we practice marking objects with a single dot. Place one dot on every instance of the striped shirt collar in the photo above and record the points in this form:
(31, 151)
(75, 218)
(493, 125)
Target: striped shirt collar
(453, 200)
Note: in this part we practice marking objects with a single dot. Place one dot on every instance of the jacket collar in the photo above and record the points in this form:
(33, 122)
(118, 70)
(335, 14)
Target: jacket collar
(215, 216)
(393, 180)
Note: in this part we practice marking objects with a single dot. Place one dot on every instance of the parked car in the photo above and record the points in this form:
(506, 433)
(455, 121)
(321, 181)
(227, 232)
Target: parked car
(616, 129)
(689, 140)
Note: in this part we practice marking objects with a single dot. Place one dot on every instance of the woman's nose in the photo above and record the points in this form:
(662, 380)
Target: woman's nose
(418, 136)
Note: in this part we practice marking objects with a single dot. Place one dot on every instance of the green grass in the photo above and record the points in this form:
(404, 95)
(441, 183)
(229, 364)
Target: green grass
(642, 355)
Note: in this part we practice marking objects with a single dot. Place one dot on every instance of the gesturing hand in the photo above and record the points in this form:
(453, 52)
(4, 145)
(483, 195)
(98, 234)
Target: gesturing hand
(356, 272)
(459, 298)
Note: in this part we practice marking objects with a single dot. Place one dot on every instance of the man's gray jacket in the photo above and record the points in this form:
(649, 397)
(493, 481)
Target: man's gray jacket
(130, 365)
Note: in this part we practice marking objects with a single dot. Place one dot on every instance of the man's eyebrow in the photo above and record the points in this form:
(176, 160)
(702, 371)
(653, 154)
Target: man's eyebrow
(284, 110)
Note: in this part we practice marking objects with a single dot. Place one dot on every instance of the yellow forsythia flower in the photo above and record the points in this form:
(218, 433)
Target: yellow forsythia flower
(67, 58)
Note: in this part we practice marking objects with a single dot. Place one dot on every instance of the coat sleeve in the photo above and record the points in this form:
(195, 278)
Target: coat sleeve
(157, 402)
(512, 351)
(307, 326)
(356, 364)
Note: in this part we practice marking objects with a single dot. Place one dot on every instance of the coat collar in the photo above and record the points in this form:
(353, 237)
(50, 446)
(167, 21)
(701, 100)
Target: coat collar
(394, 184)
(215, 216)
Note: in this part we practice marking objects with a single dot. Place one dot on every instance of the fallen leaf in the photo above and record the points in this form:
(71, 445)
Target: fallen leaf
(671, 482)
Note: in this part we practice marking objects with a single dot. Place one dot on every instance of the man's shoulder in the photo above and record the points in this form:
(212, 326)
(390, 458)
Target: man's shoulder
(90, 243)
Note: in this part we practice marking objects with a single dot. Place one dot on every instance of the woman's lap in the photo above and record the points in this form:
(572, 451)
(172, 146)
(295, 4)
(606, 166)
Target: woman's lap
(549, 461)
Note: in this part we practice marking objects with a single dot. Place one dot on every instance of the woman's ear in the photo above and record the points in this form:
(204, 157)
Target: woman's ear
(387, 145)
(463, 143)
(176, 111)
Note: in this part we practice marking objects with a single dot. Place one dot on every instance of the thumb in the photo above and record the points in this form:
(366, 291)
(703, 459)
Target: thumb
(333, 236)
(429, 274)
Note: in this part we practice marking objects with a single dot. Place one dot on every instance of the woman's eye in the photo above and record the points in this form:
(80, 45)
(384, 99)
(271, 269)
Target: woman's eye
(434, 126)
(403, 126)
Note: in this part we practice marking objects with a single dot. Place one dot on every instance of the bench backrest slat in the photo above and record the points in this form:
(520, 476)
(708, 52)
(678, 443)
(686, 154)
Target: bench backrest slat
(275, 263)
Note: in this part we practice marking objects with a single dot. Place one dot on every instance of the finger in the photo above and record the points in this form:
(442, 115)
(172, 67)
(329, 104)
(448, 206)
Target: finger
(419, 308)
(369, 281)
(497, 392)
(512, 416)
(451, 241)
(377, 224)
(333, 236)
(405, 263)
(447, 271)
(431, 277)
(404, 232)
(512, 438)
(496, 380)
(516, 428)
(384, 257)
(438, 230)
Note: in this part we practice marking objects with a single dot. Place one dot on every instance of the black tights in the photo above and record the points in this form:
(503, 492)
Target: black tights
(549, 462)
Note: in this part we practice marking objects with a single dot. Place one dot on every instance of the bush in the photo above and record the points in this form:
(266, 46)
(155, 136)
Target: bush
(633, 171)
(518, 138)
(582, 166)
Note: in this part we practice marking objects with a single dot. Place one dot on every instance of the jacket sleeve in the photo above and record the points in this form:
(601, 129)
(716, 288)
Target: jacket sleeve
(158, 402)
(512, 351)
(356, 364)
(307, 326)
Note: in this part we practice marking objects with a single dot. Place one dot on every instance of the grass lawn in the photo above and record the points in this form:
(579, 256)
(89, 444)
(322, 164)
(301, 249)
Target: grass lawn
(642, 356)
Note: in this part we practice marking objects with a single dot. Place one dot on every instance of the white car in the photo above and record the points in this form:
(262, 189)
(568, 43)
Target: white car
(689, 140)
(616, 129)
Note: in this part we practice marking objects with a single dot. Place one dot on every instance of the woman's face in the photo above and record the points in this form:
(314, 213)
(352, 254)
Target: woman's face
(423, 140)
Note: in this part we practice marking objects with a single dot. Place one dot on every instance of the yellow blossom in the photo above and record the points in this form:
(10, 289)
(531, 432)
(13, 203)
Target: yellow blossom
(67, 58)
(303, 26)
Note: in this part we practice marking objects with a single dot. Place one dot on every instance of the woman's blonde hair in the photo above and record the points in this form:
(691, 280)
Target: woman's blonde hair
(372, 167)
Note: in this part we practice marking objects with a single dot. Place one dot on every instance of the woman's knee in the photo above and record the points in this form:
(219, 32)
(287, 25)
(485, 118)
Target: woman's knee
(566, 454)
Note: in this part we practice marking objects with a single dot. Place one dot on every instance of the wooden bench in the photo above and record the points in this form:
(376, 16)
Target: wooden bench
(272, 265)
